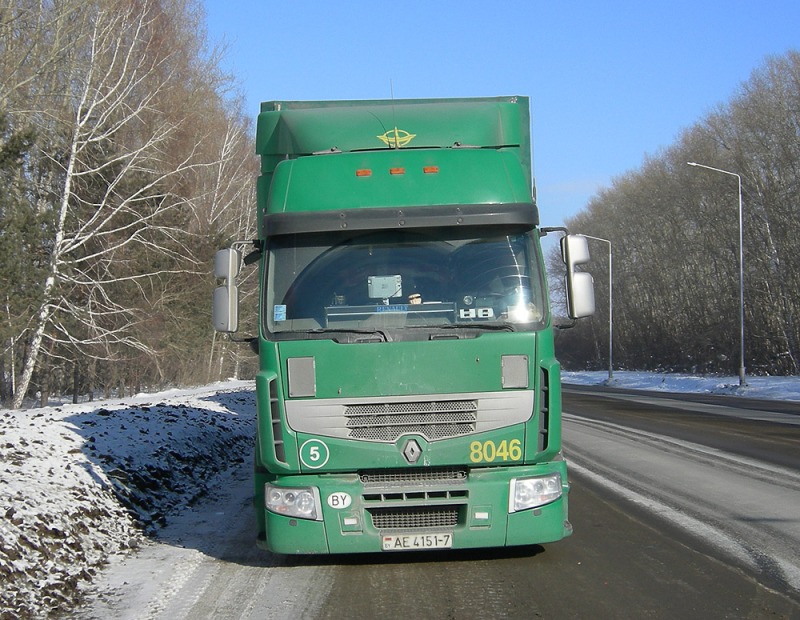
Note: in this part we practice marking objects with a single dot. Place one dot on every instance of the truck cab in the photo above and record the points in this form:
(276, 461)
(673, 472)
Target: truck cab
(408, 391)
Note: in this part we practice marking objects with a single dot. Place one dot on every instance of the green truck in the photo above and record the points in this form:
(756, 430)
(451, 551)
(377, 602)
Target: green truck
(408, 391)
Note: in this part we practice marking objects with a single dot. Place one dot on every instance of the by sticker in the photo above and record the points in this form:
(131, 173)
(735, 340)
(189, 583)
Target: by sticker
(338, 501)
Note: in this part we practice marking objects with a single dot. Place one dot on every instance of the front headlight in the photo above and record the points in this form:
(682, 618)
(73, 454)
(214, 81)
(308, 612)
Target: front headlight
(528, 493)
(300, 502)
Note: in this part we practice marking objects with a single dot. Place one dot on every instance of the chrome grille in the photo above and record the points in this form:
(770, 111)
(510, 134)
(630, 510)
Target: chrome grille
(432, 420)
(388, 418)
(414, 518)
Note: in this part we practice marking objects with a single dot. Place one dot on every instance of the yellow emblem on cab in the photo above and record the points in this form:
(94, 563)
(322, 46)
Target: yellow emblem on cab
(396, 138)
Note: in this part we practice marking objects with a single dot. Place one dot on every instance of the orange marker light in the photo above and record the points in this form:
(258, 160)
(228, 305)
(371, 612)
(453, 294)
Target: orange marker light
(430, 169)
(397, 170)
(363, 172)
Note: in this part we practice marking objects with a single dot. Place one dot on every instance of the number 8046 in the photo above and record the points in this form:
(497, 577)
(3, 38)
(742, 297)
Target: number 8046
(489, 451)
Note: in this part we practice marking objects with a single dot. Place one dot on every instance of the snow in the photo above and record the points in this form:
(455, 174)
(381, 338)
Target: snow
(772, 388)
(84, 484)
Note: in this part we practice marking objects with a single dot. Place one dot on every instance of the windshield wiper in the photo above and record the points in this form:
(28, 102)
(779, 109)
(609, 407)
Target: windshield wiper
(496, 327)
(346, 330)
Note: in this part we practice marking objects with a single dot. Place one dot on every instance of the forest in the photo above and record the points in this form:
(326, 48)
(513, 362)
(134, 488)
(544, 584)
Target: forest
(673, 233)
(125, 162)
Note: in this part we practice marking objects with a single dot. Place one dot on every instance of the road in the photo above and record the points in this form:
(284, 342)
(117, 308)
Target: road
(682, 506)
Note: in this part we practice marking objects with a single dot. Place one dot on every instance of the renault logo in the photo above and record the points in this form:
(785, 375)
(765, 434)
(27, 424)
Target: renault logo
(412, 451)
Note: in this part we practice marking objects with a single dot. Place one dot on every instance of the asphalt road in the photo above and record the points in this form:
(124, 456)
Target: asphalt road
(682, 508)
(718, 475)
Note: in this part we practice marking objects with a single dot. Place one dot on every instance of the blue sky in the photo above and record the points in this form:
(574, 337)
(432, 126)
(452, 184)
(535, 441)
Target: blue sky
(609, 82)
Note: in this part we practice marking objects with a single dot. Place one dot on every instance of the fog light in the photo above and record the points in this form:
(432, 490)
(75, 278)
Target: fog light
(300, 502)
(528, 493)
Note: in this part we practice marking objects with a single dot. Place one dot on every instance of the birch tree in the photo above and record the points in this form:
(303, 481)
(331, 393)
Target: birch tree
(227, 214)
(117, 173)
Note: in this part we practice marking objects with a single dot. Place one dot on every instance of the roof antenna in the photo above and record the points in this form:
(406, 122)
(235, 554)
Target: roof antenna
(394, 120)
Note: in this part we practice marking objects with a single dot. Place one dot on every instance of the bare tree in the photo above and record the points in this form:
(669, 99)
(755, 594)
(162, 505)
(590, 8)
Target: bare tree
(117, 177)
(675, 238)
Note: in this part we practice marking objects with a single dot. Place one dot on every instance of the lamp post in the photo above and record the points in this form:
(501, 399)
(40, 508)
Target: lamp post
(610, 309)
(742, 376)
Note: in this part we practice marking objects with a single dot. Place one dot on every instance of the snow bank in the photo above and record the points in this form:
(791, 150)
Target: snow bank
(775, 388)
(83, 482)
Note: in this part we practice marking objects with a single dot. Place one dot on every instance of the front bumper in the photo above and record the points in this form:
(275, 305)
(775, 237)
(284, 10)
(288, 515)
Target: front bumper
(358, 511)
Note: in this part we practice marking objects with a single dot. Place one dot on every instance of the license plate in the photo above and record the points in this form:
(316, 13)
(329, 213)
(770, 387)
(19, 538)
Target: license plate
(417, 542)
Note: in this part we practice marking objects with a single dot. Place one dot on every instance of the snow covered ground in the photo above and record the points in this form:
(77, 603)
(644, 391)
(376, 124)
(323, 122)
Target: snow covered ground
(83, 483)
(775, 388)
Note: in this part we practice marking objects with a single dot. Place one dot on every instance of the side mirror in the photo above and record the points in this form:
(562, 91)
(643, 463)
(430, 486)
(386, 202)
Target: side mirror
(225, 309)
(226, 264)
(579, 284)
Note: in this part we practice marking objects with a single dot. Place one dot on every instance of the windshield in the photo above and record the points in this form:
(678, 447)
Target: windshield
(392, 281)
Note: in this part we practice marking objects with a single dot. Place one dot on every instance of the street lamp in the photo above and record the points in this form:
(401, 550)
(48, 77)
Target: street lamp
(610, 310)
(742, 377)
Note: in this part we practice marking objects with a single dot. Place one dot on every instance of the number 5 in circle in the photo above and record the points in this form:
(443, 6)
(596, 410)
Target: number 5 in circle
(314, 454)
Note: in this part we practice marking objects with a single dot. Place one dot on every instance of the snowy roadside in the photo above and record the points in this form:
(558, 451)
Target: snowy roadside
(81, 483)
(771, 388)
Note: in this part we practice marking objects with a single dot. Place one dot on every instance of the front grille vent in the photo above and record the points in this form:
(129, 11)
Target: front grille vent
(432, 420)
(414, 518)
(416, 476)
(544, 410)
(275, 420)
(416, 496)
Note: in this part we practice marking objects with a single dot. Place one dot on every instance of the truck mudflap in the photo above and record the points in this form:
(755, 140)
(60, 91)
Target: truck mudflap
(358, 514)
